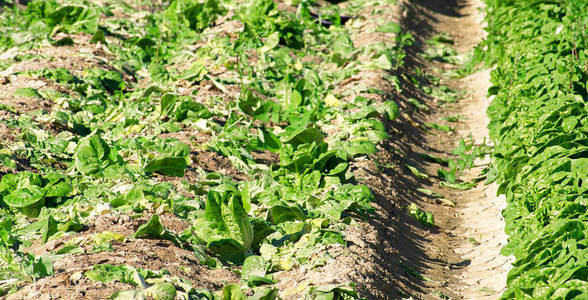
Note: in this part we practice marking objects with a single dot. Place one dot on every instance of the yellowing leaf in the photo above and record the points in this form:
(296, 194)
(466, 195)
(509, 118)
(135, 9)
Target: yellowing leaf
(107, 237)
(285, 264)
(331, 100)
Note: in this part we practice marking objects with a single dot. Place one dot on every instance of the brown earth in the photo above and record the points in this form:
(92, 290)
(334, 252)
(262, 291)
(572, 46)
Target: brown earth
(460, 257)
(68, 282)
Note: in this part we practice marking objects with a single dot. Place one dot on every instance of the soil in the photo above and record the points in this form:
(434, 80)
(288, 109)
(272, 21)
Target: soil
(141, 253)
(480, 210)
(461, 255)
(22, 104)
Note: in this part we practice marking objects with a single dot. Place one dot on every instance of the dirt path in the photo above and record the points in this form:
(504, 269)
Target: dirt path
(479, 209)
(464, 260)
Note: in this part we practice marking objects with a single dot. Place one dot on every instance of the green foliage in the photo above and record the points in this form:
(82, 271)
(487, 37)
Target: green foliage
(440, 48)
(93, 155)
(155, 230)
(27, 92)
(538, 124)
(424, 217)
(197, 15)
(111, 273)
(254, 272)
(390, 27)
(334, 291)
(225, 226)
(416, 172)
(111, 121)
(28, 192)
(182, 108)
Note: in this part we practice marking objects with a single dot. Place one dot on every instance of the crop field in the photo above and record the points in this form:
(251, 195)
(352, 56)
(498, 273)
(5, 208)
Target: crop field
(299, 149)
(211, 129)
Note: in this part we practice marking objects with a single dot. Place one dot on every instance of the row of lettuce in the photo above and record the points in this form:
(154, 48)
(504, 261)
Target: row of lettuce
(108, 149)
(539, 123)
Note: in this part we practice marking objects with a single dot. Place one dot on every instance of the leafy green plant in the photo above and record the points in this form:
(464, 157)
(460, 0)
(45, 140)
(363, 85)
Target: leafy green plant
(182, 108)
(164, 156)
(225, 226)
(254, 272)
(22, 268)
(440, 127)
(440, 48)
(122, 273)
(424, 217)
(27, 92)
(94, 155)
(416, 172)
(335, 291)
(413, 272)
(537, 123)
(154, 229)
(73, 18)
(27, 192)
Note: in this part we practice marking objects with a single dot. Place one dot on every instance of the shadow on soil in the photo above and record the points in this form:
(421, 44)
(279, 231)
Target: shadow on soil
(401, 240)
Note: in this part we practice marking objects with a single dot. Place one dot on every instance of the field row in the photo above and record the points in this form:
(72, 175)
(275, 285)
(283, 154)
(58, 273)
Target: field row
(539, 123)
